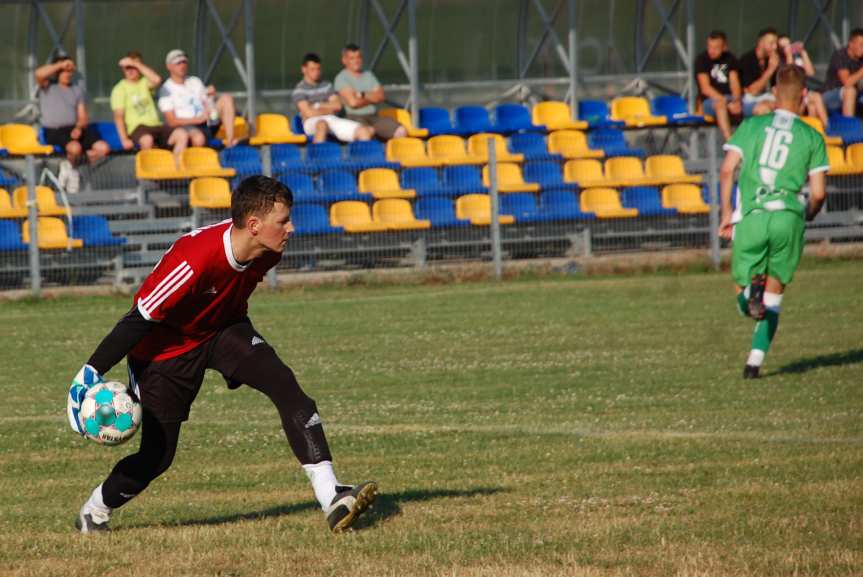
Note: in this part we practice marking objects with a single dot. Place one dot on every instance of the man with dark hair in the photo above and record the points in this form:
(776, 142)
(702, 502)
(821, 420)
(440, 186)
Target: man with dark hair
(778, 152)
(361, 92)
(318, 105)
(718, 82)
(190, 315)
(757, 68)
(845, 75)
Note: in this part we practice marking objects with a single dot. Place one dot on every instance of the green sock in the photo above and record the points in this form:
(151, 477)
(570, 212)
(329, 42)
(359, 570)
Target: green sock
(764, 331)
(742, 304)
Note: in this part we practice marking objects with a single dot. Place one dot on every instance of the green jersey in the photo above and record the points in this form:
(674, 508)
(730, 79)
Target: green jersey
(779, 152)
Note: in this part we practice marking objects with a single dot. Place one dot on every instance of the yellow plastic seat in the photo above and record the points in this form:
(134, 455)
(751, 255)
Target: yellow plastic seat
(585, 172)
(605, 203)
(210, 192)
(383, 183)
(854, 157)
(397, 214)
(46, 201)
(509, 179)
(403, 117)
(838, 164)
(241, 130)
(635, 112)
(817, 125)
(275, 129)
(52, 234)
(203, 161)
(477, 145)
(157, 164)
(21, 139)
(477, 209)
(686, 198)
(410, 152)
(354, 216)
(450, 150)
(7, 210)
(626, 171)
(556, 116)
(669, 168)
(572, 144)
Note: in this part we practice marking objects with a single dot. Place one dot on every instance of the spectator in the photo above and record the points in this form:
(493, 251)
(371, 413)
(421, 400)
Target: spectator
(844, 75)
(718, 82)
(135, 114)
(795, 53)
(757, 68)
(361, 92)
(187, 103)
(64, 118)
(318, 104)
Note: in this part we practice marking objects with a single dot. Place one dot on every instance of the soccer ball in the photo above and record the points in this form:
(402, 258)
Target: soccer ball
(109, 414)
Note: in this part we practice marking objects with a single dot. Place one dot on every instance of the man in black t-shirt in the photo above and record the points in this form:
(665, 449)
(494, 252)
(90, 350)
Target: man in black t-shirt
(718, 82)
(844, 75)
(757, 68)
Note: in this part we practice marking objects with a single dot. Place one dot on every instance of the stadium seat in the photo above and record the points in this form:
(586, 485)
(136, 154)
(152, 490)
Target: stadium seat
(10, 236)
(107, 131)
(472, 119)
(52, 234)
(439, 211)
(646, 199)
(816, 124)
(477, 209)
(368, 154)
(275, 129)
(20, 139)
(336, 185)
(562, 205)
(684, 198)
(354, 216)
(424, 181)
(547, 175)
(626, 171)
(302, 187)
(604, 203)
(511, 118)
(403, 117)
(46, 201)
(409, 152)
(477, 145)
(612, 141)
(450, 150)
(848, 128)
(241, 132)
(397, 214)
(585, 172)
(459, 180)
(244, 159)
(8, 179)
(157, 164)
(532, 146)
(596, 114)
(675, 109)
(312, 219)
(210, 192)
(509, 179)
(635, 112)
(203, 161)
(437, 121)
(284, 157)
(324, 155)
(555, 116)
(522, 206)
(383, 183)
(7, 210)
(94, 230)
(571, 144)
(854, 157)
(669, 168)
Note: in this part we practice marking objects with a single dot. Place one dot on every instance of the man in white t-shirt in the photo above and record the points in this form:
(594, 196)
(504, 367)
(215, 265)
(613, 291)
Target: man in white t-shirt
(186, 102)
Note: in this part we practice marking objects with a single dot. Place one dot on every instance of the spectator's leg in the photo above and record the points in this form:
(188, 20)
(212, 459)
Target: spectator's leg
(146, 142)
(400, 132)
(100, 149)
(73, 151)
(849, 100)
(364, 133)
(227, 112)
(720, 108)
(178, 141)
(762, 108)
(197, 138)
(321, 130)
(815, 103)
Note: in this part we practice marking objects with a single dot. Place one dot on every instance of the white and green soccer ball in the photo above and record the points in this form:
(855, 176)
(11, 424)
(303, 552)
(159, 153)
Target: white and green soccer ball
(109, 414)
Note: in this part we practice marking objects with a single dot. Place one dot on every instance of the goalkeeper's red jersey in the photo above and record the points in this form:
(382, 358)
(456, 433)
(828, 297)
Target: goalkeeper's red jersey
(195, 290)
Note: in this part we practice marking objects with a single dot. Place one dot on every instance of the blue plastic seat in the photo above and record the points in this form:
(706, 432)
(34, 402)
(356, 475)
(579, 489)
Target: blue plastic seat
(646, 199)
(297, 124)
(440, 211)
(532, 146)
(464, 179)
(596, 114)
(368, 154)
(312, 219)
(93, 229)
(675, 108)
(287, 157)
(244, 159)
(522, 206)
(472, 120)
(437, 121)
(336, 185)
(511, 118)
(10, 236)
(562, 205)
(424, 180)
(107, 131)
(548, 175)
(301, 185)
(850, 128)
(612, 141)
(8, 180)
(324, 155)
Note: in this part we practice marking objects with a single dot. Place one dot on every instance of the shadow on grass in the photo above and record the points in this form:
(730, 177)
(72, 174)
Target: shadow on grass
(851, 357)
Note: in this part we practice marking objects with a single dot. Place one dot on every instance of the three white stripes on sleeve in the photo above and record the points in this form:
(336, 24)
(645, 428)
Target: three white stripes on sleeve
(168, 286)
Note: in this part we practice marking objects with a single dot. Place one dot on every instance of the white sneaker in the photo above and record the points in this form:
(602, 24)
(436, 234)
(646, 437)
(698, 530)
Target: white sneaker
(69, 177)
(91, 521)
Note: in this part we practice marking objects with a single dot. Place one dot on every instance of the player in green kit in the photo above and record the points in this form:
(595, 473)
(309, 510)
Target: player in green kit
(778, 151)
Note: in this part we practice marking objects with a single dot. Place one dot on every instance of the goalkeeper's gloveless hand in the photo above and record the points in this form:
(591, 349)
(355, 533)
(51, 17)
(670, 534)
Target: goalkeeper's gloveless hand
(86, 378)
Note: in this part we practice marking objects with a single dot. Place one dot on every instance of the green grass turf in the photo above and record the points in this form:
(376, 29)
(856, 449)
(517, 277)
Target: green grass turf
(556, 426)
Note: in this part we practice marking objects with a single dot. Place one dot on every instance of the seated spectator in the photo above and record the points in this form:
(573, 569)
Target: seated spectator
(718, 82)
(318, 105)
(187, 103)
(795, 53)
(757, 68)
(844, 75)
(361, 92)
(135, 114)
(64, 117)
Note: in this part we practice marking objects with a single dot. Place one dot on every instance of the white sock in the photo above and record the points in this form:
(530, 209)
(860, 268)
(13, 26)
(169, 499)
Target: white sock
(756, 358)
(96, 507)
(773, 301)
(324, 482)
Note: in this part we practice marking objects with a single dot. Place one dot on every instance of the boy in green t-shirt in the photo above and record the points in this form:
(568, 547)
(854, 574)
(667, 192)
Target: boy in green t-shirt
(778, 151)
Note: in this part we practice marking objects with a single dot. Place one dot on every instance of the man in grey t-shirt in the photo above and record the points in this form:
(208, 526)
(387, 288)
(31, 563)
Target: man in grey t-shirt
(360, 92)
(318, 105)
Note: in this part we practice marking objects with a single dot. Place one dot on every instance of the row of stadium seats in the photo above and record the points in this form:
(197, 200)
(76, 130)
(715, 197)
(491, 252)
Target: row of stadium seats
(89, 231)
(848, 162)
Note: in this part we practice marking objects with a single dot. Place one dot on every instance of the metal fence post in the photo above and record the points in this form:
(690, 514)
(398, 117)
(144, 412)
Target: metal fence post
(495, 211)
(713, 171)
(33, 225)
(267, 167)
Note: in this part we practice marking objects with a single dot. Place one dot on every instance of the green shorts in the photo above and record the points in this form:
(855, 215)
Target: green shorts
(767, 242)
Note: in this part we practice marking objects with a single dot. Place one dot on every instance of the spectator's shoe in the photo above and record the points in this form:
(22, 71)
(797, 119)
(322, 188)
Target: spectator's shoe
(751, 372)
(349, 503)
(69, 177)
(86, 524)
(756, 297)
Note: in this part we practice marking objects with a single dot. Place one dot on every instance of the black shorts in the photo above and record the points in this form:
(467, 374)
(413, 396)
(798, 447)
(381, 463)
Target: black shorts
(63, 135)
(160, 134)
(168, 388)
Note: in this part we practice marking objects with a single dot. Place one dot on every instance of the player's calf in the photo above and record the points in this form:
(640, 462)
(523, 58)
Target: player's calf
(755, 303)
(762, 336)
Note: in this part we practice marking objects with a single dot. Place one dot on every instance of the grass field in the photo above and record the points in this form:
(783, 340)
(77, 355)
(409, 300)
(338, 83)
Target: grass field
(545, 426)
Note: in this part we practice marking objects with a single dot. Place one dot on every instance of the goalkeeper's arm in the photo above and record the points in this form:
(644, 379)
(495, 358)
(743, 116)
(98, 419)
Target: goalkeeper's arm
(128, 331)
